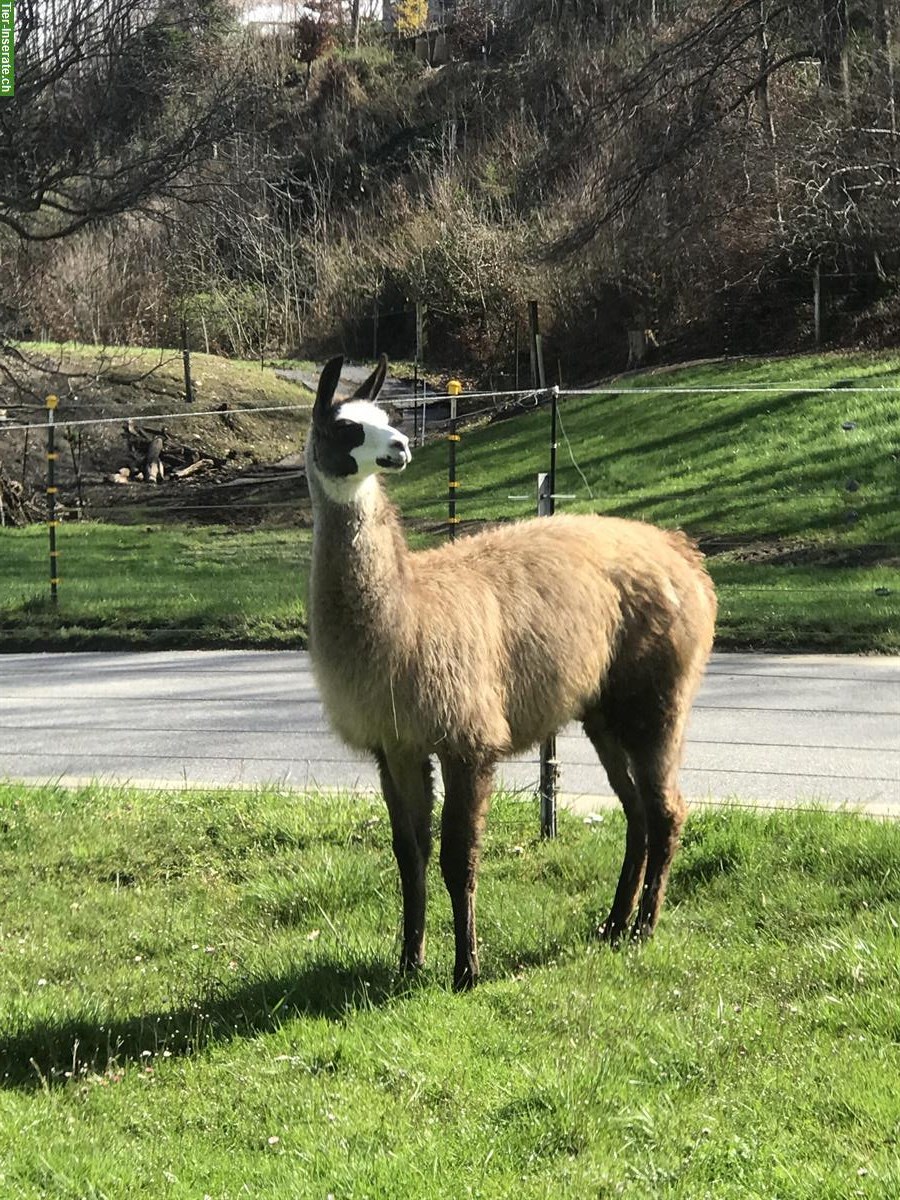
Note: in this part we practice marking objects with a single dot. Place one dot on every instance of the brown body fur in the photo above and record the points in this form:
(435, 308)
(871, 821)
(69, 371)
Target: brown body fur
(488, 645)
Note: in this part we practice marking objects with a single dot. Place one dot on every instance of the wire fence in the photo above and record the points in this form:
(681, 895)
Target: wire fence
(497, 401)
(872, 582)
(477, 503)
(217, 500)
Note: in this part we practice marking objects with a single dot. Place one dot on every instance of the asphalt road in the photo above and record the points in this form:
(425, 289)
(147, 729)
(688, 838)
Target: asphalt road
(766, 729)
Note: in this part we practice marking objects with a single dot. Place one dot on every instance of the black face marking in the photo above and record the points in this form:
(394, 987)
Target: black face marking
(333, 441)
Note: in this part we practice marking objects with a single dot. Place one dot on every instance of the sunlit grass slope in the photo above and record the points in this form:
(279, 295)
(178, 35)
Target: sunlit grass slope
(796, 492)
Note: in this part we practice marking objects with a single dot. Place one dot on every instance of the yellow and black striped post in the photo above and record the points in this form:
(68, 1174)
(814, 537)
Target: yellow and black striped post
(52, 522)
(454, 387)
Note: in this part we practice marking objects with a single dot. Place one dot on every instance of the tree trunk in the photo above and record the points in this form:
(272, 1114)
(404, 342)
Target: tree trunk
(883, 66)
(354, 23)
(762, 102)
(637, 348)
(836, 48)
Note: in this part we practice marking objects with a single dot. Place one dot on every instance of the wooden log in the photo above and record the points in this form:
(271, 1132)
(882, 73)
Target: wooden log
(192, 468)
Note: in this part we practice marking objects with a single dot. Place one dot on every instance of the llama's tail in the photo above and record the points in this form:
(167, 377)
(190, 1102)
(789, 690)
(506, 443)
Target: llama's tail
(691, 552)
(687, 548)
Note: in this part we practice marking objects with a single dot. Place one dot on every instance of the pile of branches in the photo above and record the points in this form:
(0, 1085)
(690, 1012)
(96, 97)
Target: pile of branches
(15, 508)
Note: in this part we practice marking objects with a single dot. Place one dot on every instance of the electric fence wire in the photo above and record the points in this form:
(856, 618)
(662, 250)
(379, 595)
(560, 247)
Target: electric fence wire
(521, 393)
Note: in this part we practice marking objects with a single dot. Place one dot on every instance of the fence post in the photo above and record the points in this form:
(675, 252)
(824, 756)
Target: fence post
(546, 503)
(817, 304)
(538, 378)
(454, 387)
(52, 522)
(546, 492)
(76, 466)
(420, 361)
(549, 764)
(186, 358)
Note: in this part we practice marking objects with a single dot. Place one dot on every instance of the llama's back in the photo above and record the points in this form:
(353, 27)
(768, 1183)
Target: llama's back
(544, 614)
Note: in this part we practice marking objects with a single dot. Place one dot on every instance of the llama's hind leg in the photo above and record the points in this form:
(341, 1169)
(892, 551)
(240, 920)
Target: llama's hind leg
(656, 777)
(407, 785)
(467, 791)
(615, 763)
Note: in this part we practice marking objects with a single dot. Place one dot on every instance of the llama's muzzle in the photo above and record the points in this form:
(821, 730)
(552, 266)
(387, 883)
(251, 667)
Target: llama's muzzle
(397, 456)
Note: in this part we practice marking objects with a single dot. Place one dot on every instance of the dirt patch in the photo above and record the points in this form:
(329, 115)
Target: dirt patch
(243, 498)
(784, 552)
(128, 441)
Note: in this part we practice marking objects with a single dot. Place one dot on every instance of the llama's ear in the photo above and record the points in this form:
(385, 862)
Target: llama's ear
(373, 385)
(328, 381)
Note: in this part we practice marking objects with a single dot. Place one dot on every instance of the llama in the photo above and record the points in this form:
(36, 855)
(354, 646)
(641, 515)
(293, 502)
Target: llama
(486, 646)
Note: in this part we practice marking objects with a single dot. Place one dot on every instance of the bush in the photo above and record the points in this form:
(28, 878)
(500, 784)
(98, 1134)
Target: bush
(230, 319)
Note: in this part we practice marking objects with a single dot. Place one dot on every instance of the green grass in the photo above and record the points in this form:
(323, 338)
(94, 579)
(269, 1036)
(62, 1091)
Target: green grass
(768, 469)
(198, 1000)
(155, 587)
(240, 381)
(741, 465)
(762, 475)
(853, 609)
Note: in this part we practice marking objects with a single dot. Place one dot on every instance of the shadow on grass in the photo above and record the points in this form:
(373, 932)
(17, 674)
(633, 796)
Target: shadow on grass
(48, 1053)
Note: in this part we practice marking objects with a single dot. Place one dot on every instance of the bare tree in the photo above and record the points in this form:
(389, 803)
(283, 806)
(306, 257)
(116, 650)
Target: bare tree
(835, 48)
(114, 100)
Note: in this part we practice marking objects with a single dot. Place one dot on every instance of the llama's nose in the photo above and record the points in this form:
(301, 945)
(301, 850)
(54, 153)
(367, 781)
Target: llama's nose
(399, 446)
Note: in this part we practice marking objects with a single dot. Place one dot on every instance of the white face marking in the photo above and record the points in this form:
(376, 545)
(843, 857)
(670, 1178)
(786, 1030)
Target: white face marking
(383, 448)
(351, 489)
(363, 411)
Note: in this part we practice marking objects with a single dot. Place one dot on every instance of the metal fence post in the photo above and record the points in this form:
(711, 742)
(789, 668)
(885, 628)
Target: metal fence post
(549, 762)
(546, 505)
(52, 456)
(454, 387)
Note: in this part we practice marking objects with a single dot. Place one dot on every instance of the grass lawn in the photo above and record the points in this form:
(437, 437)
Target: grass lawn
(153, 587)
(799, 513)
(243, 382)
(763, 476)
(198, 1001)
(737, 464)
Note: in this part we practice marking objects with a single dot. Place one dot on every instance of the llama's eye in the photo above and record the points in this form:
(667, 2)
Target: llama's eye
(343, 426)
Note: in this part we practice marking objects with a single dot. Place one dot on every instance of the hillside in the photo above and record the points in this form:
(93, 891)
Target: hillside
(113, 400)
(701, 448)
(667, 179)
(793, 495)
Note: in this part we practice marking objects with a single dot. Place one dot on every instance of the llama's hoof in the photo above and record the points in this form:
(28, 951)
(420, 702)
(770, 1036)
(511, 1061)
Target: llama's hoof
(465, 980)
(641, 931)
(612, 933)
(411, 966)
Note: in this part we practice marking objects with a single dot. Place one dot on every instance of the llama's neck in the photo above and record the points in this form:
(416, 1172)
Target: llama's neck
(359, 557)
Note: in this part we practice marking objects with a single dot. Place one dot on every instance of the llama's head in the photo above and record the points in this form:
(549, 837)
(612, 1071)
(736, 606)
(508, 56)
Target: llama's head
(351, 440)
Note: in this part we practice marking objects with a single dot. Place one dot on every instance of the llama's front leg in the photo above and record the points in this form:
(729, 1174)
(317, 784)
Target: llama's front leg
(406, 782)
(467, 791)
